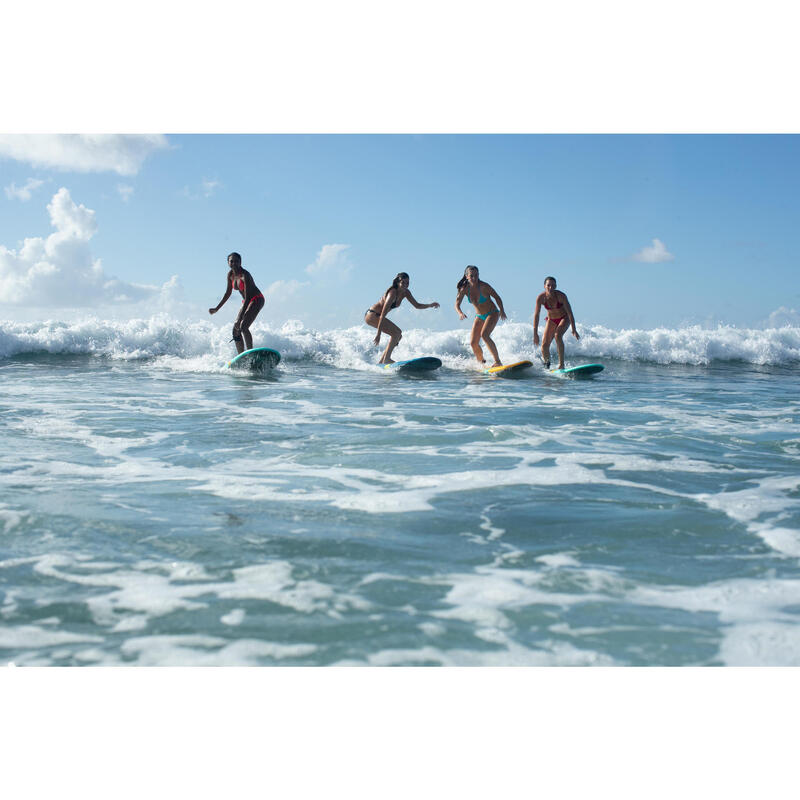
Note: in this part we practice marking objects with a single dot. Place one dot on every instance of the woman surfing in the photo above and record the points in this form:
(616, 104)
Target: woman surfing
(480, 295)
(559, 318)
(375, 315)
(252, 302)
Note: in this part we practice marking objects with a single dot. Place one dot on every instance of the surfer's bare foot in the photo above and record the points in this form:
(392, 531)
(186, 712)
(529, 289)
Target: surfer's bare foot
(388, 361)
(561, 366)
(497, 364)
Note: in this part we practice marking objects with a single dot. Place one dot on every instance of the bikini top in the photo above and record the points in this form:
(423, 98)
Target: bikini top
(553, 308)
(396, 301)
(481, 298)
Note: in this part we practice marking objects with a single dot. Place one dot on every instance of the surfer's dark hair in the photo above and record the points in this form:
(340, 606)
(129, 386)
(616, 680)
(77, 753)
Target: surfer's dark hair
(551, 278)
(396, 282)
(237, 256)
(463, 282)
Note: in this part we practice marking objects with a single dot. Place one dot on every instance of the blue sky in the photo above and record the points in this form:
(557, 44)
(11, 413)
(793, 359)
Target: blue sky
(640, 230)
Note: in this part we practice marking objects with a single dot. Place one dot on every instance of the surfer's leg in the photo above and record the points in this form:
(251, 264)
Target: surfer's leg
(547, 338)
(486, 330)
(237, 338)
(559, 332)
(394, 333)
(475, 340)
(249, 315)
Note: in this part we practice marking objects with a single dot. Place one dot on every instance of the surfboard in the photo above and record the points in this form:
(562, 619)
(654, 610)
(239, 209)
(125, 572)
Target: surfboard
(508, 369)
(423, 364)
(256, 359)
(582, 371)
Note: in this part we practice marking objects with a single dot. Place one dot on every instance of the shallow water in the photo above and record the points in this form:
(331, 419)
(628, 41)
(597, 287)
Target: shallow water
(156, 508)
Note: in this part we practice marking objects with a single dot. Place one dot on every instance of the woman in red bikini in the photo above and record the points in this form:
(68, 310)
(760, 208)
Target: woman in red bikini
(559, 317)
(252, 302)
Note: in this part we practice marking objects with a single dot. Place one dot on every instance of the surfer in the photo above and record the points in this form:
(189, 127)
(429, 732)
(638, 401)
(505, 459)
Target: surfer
(375, 315)
(559, 318)
(480, 295)
(252, 302)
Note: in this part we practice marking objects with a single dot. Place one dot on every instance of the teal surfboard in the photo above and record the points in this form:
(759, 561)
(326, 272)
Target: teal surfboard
(424, 364)
(256, 359)
(508, 370)
(583, 371)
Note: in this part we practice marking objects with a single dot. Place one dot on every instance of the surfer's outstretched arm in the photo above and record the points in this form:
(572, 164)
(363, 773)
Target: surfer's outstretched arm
(413, 301)
(225, 297)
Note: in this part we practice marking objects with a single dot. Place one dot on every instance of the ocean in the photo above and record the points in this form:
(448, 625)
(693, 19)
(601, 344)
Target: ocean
(157, 508)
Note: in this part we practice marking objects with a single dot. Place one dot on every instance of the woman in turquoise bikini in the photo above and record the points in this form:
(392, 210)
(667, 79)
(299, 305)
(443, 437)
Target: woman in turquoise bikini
(480, 295)
(559, 318)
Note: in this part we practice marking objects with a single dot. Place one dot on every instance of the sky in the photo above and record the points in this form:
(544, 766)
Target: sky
(640, 231)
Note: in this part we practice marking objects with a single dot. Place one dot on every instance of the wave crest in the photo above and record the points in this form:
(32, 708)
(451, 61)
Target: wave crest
(163, 336)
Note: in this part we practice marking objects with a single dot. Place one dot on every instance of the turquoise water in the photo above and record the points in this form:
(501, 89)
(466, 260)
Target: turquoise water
(157, 509)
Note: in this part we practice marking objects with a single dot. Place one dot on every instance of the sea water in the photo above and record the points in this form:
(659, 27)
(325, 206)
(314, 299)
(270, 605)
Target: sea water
(157, 508)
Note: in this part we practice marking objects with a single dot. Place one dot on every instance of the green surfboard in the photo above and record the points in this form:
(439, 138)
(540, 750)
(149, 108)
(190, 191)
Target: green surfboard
(258, 358)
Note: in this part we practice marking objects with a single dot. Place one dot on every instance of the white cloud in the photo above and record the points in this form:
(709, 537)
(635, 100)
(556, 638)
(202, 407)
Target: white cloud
(125, 191)
(83, 152)
(59, 271)
(281, 291)
(210, 186)
(207, 188)
(656, 253)
(25, 192)
(331, 258)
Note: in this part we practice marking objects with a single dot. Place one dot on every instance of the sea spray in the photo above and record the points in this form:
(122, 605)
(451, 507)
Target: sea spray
(163, 337)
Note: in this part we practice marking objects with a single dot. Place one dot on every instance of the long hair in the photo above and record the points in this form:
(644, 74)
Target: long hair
(396, 282)
(237, 256)
(551, 278)
(463, 282)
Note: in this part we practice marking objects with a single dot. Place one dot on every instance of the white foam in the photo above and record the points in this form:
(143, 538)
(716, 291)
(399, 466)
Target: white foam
(22, 637)
(378, 492)
(11, 518)
(199, 650)
(556, 560)
(775, 496)
(547, 654)
(144, 593)
(762, 644)
(481, 598)
(58, 424)
(199, 345)
(236, 617)
(757, 628)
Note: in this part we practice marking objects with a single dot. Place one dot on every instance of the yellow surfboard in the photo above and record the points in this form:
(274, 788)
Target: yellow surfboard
(508, 369)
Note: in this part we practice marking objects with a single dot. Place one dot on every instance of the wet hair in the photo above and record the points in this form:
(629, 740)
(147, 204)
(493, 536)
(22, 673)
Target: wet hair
(463, 282)
(396, 282)
(237, 256)
(551, 278)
